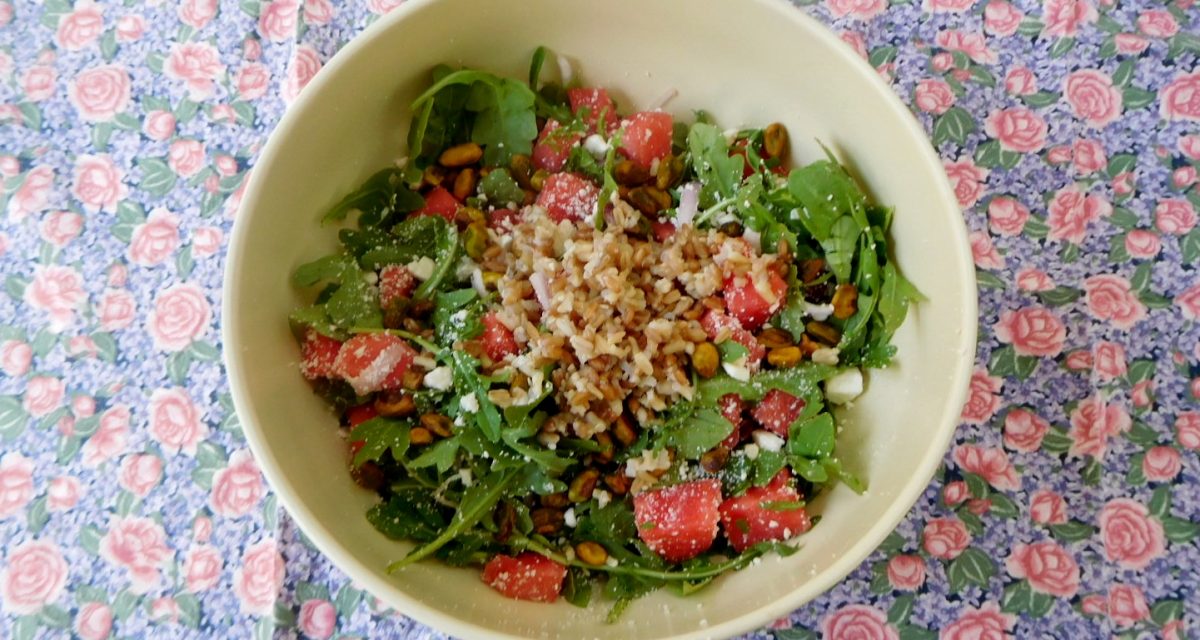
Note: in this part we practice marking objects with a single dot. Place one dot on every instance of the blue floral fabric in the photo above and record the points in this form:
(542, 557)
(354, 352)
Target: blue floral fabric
(1068, 506)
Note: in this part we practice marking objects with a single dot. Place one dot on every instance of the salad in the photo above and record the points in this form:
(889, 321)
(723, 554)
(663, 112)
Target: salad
(592, 351)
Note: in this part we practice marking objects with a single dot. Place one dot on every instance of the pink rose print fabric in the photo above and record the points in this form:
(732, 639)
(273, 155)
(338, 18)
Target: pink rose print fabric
(1067, 506)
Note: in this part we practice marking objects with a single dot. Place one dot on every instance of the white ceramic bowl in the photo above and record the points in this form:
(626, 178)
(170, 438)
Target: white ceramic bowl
(747, 62)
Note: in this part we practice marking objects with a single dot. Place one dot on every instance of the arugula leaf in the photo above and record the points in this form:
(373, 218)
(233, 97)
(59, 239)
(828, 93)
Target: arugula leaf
(441, 455)
(800, 381)
(834, 468)
(438, 123)
(500, 188)
(609, 184)
(504, 122)
(467, 379)
(718, 172)
(473, 547)
(535, 66)
(840, 247)
(412, 238)
(737, 474)
(767, 465)
(445, 258)
(581, 161)
(410, 513)
(457, 315)
(731, 351)
(812, 438)
(354, 302)
(577, 588)
(379, 196)
(809, 469)
(701, 431)
(612, 526)
(477, 500)
(316, 317)
(378, 435)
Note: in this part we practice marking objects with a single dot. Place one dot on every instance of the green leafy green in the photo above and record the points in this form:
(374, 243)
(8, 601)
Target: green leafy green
(415, 237)
(812, 438)
(445, 260)
(502, 114)
(410, 513)
(800, 381)
(440, 455)
(467, 380)
(700, 431)
(353, 301)
(719, 173)
(457, 315)
(379, 435)
(382, 194)
(477, 500)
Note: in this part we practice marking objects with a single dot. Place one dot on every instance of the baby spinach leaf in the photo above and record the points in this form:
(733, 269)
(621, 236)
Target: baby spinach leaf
(379, 435)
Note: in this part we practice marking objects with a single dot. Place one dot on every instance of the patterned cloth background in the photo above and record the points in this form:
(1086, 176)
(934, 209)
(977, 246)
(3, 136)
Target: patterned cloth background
(1069, 505)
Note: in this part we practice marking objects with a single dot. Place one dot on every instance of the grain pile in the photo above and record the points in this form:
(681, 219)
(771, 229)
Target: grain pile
(616, 314)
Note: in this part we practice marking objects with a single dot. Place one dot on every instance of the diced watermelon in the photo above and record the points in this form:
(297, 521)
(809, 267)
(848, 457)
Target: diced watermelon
(762, 513)
(647, 137)
(679, 522)
(731, 406)
(715, 322)
(439, 202)
(318, 353)
(528, 576)
(395, 282)
(374, 361)
(598, 104)
(663, 230)
(554, 146)
(777, 411)
(359, 414)
(498, 340)
(752, 306)
(503, 219)
(567, 196)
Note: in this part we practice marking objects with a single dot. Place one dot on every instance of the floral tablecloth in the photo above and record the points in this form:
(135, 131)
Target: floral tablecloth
(1068, 506)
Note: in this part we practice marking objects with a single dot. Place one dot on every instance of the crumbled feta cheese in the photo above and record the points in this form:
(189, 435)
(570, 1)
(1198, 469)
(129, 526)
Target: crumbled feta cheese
(844, 387)
(737, 369)
(565, 69)
(569, 518)
(464, 268)
(425, 362)
(767, 441)
(826, 355)
(421, 268)
(818, 312)
(751, 451)
(469, 403)
(602, 498)
(548, 440)
(612, 562)
(439, 379)
(371, 277)
(596, 145)
(464, 475)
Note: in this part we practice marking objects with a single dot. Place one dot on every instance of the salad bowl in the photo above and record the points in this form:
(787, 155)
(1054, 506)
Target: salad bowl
(747, 62)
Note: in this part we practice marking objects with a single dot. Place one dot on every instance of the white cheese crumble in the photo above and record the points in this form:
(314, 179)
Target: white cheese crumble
(767, 441)
(818, 312)
(826, 355)
(439, 379)
(602, 498)
(469, 403)
(425, 362)
(596, 145)
(421, 268)
(737, 369)
(751, 451)
(844, 387)
(569, 518)
(465, 476)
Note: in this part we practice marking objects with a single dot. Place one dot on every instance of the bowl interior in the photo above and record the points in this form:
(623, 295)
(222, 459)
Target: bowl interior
(750, 62)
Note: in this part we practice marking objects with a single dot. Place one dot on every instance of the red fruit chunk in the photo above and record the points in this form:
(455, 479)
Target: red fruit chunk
(395, 282)
(567, 196)
(715, 323)
(439, 202)
(598, 104)
(528, 576)
(498, 340)
(662, 230)
(748, 519)
(360, 414)
(503, 219)
(679, 522)
(554, 146)
(731, 406)
(746, 302)
(318, 354)
(777, 411)
(647, 137)
(374, 361)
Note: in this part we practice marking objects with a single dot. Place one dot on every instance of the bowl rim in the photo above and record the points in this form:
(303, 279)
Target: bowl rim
(904, 500)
